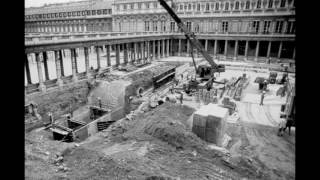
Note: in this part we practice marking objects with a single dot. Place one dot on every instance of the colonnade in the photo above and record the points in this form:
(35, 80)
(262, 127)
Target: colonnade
(133, 53)
(236, 48)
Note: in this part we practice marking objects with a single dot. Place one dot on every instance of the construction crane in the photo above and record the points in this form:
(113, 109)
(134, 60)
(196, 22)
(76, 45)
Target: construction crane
(191, 37)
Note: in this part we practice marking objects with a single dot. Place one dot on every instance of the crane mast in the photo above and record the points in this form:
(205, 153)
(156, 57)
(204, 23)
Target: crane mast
(191, 37)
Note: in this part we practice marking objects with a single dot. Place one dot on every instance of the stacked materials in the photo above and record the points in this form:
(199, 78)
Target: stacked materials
(209, 123)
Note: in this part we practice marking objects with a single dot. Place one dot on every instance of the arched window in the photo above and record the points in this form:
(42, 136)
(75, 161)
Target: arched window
(237, 5)
(226, 6)
(248, 5)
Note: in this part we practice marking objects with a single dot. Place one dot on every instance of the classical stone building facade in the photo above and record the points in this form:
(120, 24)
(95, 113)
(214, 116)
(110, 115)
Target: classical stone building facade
(133, 31)
(83, 16)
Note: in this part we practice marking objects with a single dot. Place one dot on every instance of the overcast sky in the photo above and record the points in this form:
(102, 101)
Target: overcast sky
(37, 3)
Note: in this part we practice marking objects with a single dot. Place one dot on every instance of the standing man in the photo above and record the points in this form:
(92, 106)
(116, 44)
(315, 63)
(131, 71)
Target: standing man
(181, 98)
(99, 101)
(262, 97)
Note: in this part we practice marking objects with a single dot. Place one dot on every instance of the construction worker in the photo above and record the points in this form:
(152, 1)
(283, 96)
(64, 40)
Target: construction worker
(50, 118)
(288, 124)
(262, 97)
(282, 126)
(181, 97)
(99, 102)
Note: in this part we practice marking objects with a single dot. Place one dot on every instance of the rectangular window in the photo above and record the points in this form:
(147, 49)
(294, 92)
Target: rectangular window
(93, 12)
(279, 25)
(155, 26)
(189, 25)
(147, 5)
(225, 26)
(147, 28)
(73, 14)
(131, 6)
(255, 26)
(139, 5)
(207, 7)
(237, 6)
(124, 7)
(270, 4)
(258, 4)
(155, 5)
(83, 13)
(217, 6)
(163, 26)
(105, 11)
(266, 27)
(226, 6)
(189, 7)
(118, 7)
(212, 6)
(198, 7)
(99, 12)
(248, 5)
(283, 3)
(88, 12)
(78, 13)
(172, 26)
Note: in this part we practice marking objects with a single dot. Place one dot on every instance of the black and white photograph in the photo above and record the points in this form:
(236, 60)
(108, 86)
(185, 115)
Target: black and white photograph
(160, 89)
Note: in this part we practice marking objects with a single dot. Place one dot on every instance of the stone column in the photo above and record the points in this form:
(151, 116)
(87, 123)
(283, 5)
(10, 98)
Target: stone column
(179, 48)
(206, 45)
(225, 48)
(280, 49)
(76, 60)
(148, 51)
(142, 52)
(58, 68)
(86, 59)
(171, 47)
(153, 50)
(74, 66)
(125, 53)
(188, 48)
(163, 48)
(117, 55)
(294, 53)
(108, 55)
(168, 48)
(45, 63)
(257, 51)
(269, 49)
(61, 63)
(159, 46)
(26, 63)
(246, 51)
(135, 51)
(42, 87)
(215, 48)
(98, 57)
(235, 51)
